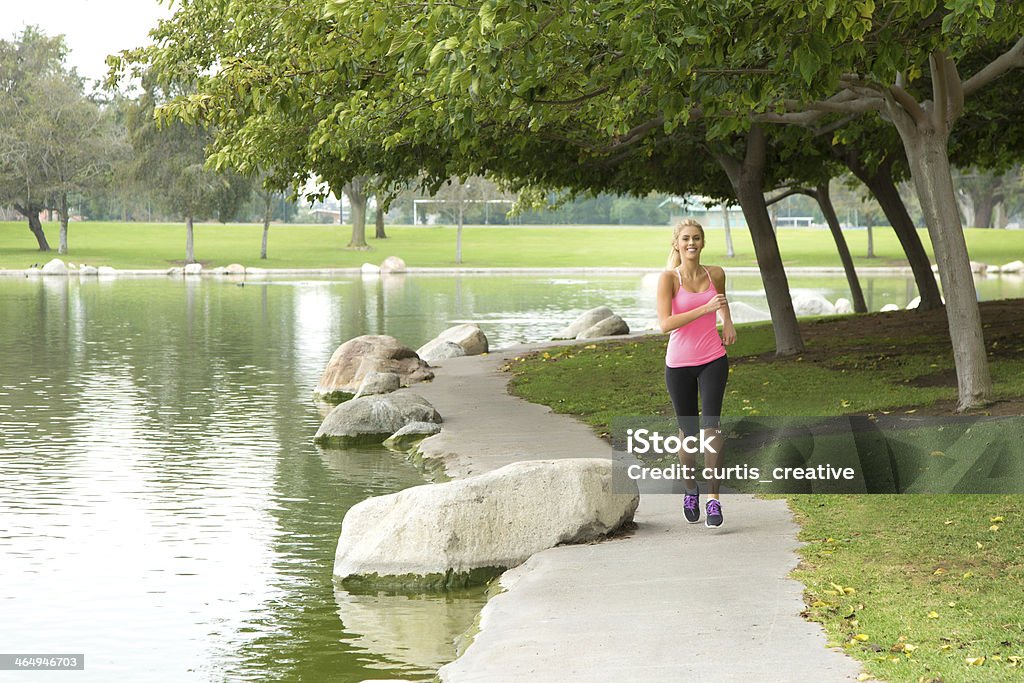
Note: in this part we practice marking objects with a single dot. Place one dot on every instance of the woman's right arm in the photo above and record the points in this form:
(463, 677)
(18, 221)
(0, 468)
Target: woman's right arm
(668, 322)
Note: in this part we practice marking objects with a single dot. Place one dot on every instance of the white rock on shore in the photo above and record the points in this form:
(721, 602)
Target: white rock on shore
(809, 303)
(843, 306)
(1012, 267)
(374, 418)
(889, 308)
(392, 264)
(194, 269)
(468, 338)
(437, 533)
(612, 325)
(55, 267)
(355, 359)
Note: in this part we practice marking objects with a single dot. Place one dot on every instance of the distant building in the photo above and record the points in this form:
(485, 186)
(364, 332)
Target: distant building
(706, 211)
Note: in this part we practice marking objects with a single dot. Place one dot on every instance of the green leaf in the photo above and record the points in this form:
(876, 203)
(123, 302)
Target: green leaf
(807, 62)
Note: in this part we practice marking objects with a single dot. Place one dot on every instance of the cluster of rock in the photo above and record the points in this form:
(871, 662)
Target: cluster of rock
(460, 532)
(58, 267)
(236, 269)
(597, 322)
(978, 268)
(370, 376)
(392, 264)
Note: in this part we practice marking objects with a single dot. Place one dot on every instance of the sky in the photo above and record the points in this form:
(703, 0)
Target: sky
(92, 28)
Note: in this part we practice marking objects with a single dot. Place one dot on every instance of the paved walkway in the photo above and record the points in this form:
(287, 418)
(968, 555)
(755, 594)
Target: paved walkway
(670, 602)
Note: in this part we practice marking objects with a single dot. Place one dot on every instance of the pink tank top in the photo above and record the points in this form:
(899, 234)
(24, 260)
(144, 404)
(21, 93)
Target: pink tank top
(696, 342)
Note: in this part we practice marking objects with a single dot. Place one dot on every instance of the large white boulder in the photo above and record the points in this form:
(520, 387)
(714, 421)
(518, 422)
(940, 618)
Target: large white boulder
(888, 308)
(585, 321)
(194, 269)
(611, 325)
(979, 268)
(379, 383)
(106, 271)
(88, 270)
(470, 338)
(809, 303)
(844, 306)
(914, 303)
(745, 313)
(358, 357)
(374, 418)
(369, 269)
(438, 350)
(55, 267)
(1012, 267)
(392, 264)
(234, 269)
(448, 534)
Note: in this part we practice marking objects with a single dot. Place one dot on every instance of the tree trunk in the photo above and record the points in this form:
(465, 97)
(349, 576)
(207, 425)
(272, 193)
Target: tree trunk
(821, 194)
(268, 213)
(62, 213)
(747, 180)
(882, 186)
(458, 230)
(729, 251)
(190, 250)
(380, 234)
(926, 145)
(985, 208)
(355, 190)
(34, 225)
(871, 242)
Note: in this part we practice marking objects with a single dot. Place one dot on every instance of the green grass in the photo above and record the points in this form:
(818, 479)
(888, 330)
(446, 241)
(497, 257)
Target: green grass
(931, 584)
(156, 245)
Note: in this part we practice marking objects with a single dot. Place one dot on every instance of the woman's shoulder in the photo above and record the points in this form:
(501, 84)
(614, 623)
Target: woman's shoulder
(717, 272)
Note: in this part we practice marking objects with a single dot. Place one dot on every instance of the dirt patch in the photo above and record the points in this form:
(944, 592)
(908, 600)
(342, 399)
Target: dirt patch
(942, 378)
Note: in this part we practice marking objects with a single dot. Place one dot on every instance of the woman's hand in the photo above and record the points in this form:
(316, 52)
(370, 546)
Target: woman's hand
(716, 303)
(728, 333)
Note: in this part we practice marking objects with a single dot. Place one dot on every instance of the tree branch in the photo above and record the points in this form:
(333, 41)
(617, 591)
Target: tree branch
(788, 193)
(940, 91)
(1011, 59)
(575, 100)
(907, 103)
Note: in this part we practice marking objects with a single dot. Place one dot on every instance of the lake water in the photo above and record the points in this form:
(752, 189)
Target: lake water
(163, 508)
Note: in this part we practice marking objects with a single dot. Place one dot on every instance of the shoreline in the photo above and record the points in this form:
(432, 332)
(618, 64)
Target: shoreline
(270, 273)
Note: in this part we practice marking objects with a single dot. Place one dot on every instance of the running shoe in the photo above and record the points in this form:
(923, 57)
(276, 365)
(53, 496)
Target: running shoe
(714, 517)
(691, 507)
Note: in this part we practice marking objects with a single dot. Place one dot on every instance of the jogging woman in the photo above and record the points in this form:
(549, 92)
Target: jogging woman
(689, 295)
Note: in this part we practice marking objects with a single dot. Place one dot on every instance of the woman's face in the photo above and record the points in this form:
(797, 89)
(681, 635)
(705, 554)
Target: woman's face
(689, 242)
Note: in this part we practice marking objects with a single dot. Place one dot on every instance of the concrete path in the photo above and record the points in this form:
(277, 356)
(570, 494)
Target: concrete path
(670, 602)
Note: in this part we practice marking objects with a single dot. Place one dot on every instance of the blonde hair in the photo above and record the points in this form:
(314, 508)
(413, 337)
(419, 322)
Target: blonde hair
(674, 258)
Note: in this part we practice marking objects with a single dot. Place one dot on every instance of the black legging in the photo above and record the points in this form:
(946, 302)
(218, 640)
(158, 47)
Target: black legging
(684, 383)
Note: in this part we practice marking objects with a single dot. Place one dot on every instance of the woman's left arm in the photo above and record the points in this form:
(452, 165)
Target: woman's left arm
(728, 329)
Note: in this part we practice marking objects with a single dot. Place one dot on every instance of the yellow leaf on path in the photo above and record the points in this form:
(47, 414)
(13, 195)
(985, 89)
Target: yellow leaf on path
(864, 677)
(861, 637)
(998, 518)
(909, 412)
(819, 603)
(939, 572)
(975, 661)
(1014, 660)
(933, 615)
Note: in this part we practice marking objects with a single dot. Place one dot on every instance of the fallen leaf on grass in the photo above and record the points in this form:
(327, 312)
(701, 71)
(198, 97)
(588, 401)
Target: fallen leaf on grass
(974, 661)
(861, 637)
(933, 615)
(939, 572)
(995, 519)
(994, 527)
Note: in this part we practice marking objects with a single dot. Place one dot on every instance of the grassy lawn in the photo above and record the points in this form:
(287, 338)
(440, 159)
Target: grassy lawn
(155, 245)
(918, 587)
